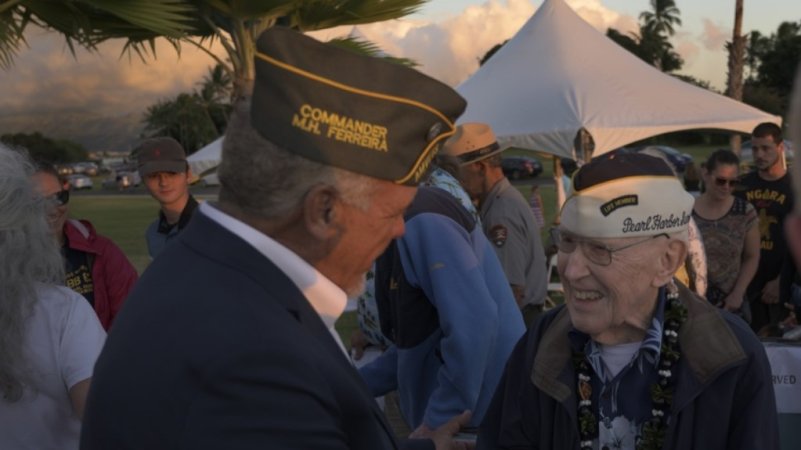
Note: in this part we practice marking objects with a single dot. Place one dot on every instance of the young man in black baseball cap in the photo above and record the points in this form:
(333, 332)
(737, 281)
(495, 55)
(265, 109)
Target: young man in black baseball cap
(165, 172)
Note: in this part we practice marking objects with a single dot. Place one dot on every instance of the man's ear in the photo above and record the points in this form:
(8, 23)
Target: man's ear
(321, 211)
(671, 259)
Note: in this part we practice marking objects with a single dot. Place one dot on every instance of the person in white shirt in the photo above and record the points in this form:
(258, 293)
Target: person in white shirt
(49, 335)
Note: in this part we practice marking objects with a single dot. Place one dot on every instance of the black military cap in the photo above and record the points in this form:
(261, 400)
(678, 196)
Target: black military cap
(351, 111)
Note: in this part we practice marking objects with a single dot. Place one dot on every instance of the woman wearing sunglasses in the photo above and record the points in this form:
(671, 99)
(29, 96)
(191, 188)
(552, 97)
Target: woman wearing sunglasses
(95, 267)
(729, 226)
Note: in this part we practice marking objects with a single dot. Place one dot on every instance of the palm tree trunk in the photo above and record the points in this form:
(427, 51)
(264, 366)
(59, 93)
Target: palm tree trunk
(736, 52)
(244, 66)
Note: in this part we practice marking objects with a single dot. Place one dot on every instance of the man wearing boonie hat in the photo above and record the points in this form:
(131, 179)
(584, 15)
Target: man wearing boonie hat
(165, 172)
(229, 340)
(506, 216)
(631, 360)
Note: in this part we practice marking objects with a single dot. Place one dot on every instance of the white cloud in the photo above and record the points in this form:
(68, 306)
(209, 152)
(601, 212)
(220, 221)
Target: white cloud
(449, 50)
(714, 36)
(47, 76)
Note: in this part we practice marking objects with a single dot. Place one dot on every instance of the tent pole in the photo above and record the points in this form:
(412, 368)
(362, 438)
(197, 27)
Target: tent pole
(559, 187)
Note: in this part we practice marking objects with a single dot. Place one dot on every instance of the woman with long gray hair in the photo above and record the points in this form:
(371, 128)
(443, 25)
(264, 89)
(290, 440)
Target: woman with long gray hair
(49, 335)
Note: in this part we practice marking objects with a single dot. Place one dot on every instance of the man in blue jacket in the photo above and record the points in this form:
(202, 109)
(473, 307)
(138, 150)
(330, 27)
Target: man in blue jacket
(632, 360)
(446, 305)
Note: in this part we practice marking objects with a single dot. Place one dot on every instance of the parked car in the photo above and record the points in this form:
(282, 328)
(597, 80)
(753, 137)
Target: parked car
(122, 180)
(78, 182)
(64, 169)
(517, 167)
(87, 168)
(747, 155)
(678, 159)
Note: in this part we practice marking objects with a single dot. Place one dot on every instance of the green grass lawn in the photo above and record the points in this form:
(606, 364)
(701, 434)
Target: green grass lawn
(123, 219)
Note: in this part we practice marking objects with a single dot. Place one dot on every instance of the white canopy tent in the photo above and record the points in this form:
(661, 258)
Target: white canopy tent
(559, 75)
(206, 159)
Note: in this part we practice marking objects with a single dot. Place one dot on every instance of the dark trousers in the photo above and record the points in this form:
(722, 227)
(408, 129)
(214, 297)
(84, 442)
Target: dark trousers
(766, 315)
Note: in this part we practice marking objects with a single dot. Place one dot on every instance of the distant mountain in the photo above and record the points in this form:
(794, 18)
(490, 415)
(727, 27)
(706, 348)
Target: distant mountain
(95, 131)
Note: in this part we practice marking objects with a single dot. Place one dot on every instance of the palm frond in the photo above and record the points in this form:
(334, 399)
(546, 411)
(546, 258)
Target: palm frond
(12, 27)
(368, 48)
(168, 18)
(319, 14)
(146, 48)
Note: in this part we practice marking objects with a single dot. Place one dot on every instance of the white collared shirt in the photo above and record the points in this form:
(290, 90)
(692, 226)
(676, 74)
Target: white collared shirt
(327, 299)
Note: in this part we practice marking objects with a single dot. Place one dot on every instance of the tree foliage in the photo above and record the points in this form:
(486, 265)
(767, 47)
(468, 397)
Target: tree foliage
(771, 62)
(662, 17)
(196, 118)
(650, 47)
(491, 52)
(695, 81)
(652, 41)
(235, 24)
(56, 151)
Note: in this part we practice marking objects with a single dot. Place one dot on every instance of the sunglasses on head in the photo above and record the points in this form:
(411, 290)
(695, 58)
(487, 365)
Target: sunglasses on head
(60, 198)
(724, 182)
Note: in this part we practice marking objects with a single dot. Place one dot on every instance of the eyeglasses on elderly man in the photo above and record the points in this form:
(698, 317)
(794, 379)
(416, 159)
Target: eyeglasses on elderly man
(596, 252)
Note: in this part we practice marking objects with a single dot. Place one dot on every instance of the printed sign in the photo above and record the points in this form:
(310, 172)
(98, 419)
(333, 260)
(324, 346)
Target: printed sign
(785, 364)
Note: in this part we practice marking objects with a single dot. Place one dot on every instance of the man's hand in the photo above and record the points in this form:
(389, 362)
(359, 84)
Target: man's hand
(791, 321)
(519, 293)
(443, 436)
(733, 302)
(770, 293)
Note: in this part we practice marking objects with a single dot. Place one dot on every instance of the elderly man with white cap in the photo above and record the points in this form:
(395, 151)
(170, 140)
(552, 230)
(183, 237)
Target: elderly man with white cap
(632, 360)
(474, 157)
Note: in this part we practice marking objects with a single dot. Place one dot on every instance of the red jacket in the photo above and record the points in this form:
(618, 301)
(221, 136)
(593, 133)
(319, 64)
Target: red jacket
(112, 274)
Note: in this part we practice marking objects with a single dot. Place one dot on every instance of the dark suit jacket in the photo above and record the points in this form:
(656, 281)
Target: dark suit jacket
(217, 349)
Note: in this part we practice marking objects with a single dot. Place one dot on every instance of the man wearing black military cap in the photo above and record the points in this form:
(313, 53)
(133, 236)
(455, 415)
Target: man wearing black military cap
(229, 340)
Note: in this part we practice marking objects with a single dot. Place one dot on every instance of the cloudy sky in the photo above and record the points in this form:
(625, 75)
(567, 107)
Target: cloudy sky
(447, 38)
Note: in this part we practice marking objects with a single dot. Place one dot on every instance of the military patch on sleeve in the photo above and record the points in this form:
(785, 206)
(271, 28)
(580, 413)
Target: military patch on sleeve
(497, 235)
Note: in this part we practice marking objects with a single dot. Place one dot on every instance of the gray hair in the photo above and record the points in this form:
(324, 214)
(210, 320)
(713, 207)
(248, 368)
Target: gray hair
(448, 163)
(267, 181)
(30, 256)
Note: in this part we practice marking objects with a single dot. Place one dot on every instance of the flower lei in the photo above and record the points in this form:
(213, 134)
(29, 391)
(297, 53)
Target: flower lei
(653, 432)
